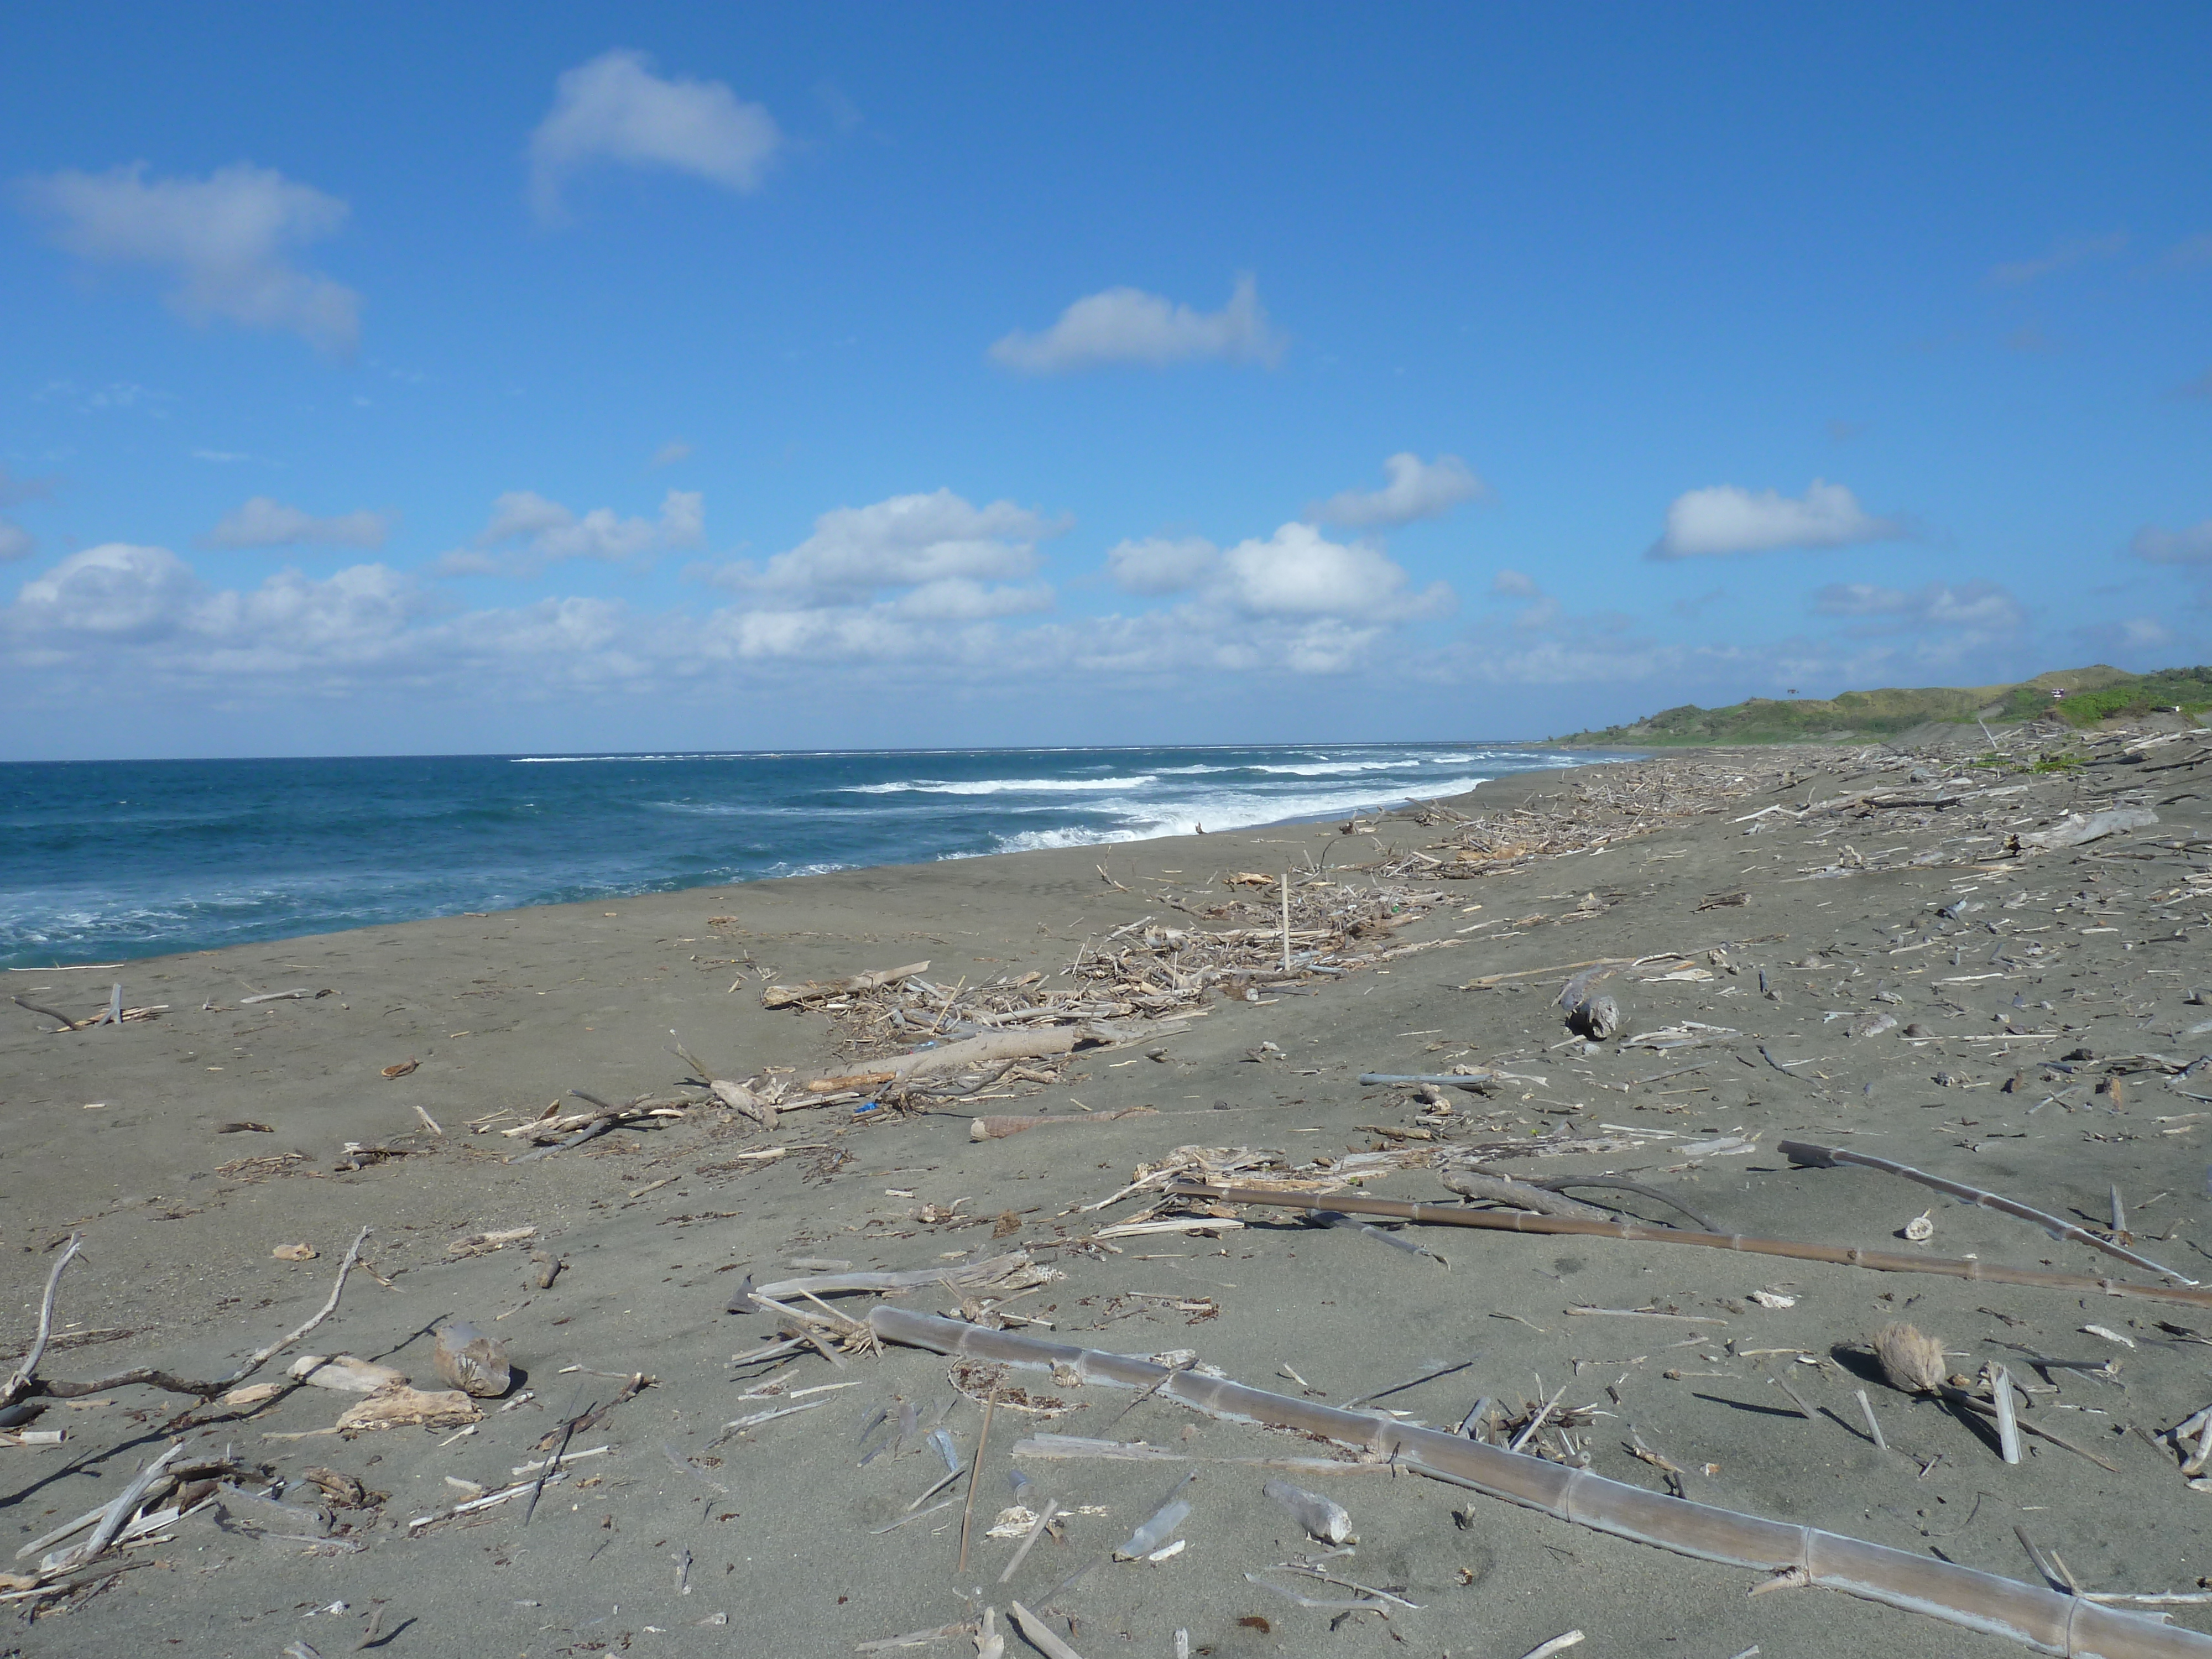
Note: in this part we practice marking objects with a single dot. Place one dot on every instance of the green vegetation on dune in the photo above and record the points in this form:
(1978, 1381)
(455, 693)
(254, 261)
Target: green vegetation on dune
(2093, 695)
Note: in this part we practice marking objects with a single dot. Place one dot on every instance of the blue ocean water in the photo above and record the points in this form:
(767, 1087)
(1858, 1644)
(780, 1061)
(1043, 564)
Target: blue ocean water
(105, 861)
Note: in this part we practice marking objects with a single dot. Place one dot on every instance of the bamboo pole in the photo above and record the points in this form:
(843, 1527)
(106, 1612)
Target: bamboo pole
(2042, 1619)
(1961, 1596)
(1849, 1256)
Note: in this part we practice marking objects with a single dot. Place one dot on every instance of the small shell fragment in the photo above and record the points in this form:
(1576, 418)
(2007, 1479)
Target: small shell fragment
(295, 1253)
(1921, 1228)
(470, 1361)
(1169, 1551)
(1773, 1299)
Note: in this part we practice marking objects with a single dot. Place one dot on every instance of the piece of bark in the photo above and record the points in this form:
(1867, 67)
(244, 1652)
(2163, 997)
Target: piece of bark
(345, 1373)
(403, 1407)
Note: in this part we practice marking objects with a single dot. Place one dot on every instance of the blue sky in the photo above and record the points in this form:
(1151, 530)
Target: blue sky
(402, 378)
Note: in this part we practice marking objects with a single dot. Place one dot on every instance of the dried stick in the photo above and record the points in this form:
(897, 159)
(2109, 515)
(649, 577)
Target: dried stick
(1979, 1600)
(1036, 1532)
(151, 1376)
(1828, 1157)
(1517, 1221)
(29, 1368)
(111, 1522)
(974, 1478)
(1041, 1635)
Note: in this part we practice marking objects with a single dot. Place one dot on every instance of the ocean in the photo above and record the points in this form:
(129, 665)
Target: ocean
(105, 861)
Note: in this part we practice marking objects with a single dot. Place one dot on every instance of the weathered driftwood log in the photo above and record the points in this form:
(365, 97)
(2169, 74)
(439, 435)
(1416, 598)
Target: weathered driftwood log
(997, 1127)
(1829, 1158)
(2074, 828)
(2042, 1619)
(821, 990)
(971, 1051)
(1849, 1256)
(1497, 1189)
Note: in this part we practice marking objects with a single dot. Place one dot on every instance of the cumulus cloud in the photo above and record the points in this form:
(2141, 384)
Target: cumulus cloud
(907, 541)
(1417, 489)
(263, 522)
(1725, 520)
(229, 239)
(2162, 546)
(1513, 584)
(1128, 325)
(2021, 272)
(1298, 572)
(1160, 564)
(1979, 604)
(528, 532)
(615, 108)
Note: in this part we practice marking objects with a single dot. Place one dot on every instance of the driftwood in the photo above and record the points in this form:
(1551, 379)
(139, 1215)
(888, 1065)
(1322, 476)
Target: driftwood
(2074, 829)
(344, 1373)
(26, 1383)
(970, 1051)
(403, 1407)
(1849, 1256)
(2042, 1619)
(998, 1127)
(821, 990)
(1829, 1158)
(1497, 1189)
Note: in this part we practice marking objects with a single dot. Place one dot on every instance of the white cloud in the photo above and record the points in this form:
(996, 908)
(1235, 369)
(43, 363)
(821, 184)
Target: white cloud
(545, 532)
(1725, 520)
(15, 542)
(229, 239)
(2161, 546)
(1980, 605)
(1513, 584)
(1157, 564)
(1417, 489)
(615, 108)
(1128, 325)
(2023, 272)
(262, 522)
(1298, 572)
(906, 541)
(669, 454)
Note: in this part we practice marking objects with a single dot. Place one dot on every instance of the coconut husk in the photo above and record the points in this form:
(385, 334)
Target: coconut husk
(1911, 1361)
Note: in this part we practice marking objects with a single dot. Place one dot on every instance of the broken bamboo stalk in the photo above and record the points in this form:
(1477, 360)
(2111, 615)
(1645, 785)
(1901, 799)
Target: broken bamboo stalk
(1849, 1255)
(2041, 1619)
(1828, 1157)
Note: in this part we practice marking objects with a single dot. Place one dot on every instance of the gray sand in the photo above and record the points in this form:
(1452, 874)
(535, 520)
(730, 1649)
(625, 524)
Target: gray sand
(115, 1133)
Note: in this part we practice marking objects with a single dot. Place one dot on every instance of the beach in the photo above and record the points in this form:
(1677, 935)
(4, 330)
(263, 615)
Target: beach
(1863, 948)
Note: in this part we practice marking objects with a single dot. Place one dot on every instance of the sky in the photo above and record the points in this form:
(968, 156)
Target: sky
(412, 379)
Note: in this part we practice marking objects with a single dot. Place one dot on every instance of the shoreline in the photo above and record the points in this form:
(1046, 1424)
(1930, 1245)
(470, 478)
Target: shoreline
(130, 1136)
